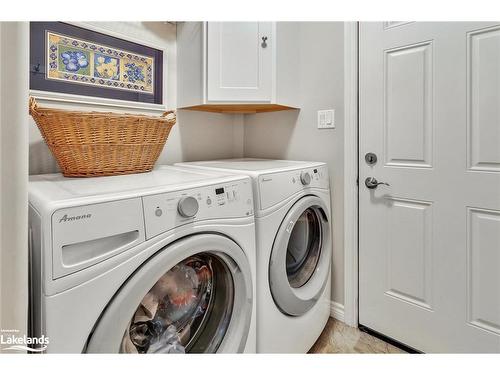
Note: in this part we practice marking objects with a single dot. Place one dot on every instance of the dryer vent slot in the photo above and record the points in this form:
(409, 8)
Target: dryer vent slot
(95, 250)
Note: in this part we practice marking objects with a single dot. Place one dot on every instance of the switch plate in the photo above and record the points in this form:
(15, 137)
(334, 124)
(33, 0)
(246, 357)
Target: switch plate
(326, 119)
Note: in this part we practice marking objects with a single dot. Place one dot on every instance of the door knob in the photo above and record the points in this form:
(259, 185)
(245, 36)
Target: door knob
(264, 42)
(372, 183)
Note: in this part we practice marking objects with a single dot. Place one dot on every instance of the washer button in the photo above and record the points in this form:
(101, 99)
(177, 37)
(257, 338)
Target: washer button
(209, 201)
(158, 212)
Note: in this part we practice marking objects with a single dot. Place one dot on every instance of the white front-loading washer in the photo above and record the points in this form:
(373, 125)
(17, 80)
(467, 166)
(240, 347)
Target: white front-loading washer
(148, 263)
(294, 246)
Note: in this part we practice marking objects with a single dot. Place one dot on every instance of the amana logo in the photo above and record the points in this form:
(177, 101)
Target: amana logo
(66, 218)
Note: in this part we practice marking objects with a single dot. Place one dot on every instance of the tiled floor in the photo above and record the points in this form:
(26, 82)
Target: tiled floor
(340, 338)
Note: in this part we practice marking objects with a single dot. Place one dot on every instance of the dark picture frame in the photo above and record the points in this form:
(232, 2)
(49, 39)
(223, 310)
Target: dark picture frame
(98, 51)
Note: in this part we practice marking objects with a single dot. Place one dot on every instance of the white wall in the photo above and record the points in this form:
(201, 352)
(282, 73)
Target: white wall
(197, 135)
(293, 134)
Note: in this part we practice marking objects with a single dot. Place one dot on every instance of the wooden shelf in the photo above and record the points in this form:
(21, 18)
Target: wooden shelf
(239, 108)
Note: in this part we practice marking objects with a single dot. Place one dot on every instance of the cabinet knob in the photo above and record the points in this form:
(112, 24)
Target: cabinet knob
(264, 42)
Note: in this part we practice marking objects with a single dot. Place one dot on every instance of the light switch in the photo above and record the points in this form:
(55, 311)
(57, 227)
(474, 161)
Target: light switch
(326, 119)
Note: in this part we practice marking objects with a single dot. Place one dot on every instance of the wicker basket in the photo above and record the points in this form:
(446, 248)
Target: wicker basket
(90, 144)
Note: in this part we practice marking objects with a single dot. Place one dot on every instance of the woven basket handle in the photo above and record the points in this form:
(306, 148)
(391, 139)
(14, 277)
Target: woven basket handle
(33, 106)
(165, 114)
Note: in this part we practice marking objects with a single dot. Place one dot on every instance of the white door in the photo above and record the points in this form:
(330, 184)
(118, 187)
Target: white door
(429, 245)
(239, 61)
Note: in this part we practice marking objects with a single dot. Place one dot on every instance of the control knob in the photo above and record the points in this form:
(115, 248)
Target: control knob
(188, 206)
(305, 178)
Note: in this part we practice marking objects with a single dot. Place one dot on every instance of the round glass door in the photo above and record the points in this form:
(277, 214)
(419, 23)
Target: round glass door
(187, 311)
(304, 248)
(300, 258)
(192, 296)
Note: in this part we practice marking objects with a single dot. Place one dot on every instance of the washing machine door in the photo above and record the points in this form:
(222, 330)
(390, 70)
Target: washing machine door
(300, 259)
(194, 296)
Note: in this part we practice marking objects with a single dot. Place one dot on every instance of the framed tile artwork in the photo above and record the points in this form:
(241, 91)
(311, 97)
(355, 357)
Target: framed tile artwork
(70, 59)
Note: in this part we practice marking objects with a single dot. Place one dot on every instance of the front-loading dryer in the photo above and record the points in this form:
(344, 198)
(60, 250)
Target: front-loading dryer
(294, 246)
(160, 262)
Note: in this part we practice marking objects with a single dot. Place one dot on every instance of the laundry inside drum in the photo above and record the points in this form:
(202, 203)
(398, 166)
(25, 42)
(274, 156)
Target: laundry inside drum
(188, 310)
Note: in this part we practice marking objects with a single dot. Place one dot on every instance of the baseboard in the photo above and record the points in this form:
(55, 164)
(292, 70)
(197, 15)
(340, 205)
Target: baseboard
(337, 311)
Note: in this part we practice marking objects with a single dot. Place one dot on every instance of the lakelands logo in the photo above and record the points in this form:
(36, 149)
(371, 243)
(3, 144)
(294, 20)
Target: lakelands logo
(12, 340)
(67, 218)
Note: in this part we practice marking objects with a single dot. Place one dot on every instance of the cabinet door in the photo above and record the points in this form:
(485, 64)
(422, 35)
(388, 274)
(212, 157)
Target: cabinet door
(239, 64)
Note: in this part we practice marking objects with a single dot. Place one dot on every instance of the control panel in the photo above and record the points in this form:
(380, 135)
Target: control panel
(275, 187)
(166, 211)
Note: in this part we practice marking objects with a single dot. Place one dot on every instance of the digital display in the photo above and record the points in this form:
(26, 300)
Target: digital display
(219, 191)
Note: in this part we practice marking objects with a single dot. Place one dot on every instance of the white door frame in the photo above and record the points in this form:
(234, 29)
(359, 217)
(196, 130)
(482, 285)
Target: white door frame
(14, 117)
(351, 173)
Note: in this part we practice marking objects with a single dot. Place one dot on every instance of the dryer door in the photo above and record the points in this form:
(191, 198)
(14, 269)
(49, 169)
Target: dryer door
(300, 259)
(194, 296)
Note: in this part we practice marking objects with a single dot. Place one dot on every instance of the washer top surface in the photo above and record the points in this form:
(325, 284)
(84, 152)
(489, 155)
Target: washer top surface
(55, 187)
(254, 166)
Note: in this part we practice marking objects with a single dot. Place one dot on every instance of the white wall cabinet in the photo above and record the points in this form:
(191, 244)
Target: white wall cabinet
(238, 67)
(239, 61)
